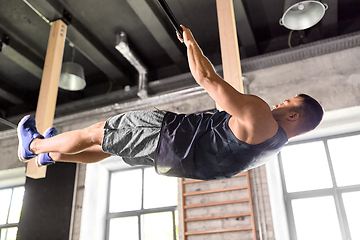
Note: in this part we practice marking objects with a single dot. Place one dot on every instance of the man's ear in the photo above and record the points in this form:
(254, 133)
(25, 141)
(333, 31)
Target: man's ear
(293, 116)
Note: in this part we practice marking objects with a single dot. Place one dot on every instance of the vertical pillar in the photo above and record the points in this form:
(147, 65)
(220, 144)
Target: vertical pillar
(49, 88)
(229, 44)
(231, 61)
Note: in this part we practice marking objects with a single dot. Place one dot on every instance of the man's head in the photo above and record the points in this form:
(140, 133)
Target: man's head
(304, 111)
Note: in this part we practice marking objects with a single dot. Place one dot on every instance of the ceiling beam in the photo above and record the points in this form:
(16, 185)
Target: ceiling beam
(158, 31)
(245, 33)
(10, 97)
(6, 122)
(21, 60)
(85, 42)
(330, 19)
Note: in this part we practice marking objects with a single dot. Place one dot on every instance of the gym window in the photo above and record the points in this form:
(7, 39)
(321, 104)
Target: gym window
(142, 205)
(11, 200)
(321, 186)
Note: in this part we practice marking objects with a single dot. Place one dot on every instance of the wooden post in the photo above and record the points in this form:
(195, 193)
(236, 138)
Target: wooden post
(230, 55)
(229, 44)
(49, 88)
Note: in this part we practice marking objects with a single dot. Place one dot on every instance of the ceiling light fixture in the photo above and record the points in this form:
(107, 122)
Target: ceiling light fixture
(72, 77)
(302, 15)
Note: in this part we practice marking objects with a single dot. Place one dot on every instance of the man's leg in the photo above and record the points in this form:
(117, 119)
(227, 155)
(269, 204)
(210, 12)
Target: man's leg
(90, 155)
(70, 142)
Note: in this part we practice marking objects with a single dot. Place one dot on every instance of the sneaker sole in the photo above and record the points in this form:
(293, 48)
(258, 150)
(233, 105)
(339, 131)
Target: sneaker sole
(20, 147)
(47, 131)
(37, 161)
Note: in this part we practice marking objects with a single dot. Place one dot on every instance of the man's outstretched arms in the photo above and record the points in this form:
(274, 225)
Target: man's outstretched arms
(250, 110)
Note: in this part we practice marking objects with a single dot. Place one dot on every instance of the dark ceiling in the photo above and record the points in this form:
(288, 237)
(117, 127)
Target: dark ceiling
(93, 26)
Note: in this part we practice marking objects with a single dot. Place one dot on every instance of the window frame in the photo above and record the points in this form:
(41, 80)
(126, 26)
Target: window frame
(9, 225)
(11, 179)
(334, 191)
(139, 212)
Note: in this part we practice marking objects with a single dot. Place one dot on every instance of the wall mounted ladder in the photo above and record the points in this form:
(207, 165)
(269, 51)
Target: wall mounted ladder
(203, 200)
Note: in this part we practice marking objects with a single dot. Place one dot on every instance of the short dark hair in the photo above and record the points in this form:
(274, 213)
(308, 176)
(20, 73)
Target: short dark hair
(311, 113)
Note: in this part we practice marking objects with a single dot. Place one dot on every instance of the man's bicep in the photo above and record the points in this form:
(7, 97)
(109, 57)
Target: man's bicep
(227, 97)
(238, 104)
(223, 94)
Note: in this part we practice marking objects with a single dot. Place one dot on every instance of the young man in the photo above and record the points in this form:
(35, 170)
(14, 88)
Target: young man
(203, 146)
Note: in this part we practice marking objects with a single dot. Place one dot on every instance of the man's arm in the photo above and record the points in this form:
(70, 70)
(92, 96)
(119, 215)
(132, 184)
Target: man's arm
(250, 112)
(231, 100)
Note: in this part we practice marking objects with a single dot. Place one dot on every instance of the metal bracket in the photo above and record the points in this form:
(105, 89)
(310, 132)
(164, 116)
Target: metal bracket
(67, 17)
(4, 40)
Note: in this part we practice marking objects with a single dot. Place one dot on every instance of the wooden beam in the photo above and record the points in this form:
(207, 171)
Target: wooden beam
(229, 44)
(231, 64)
(219, 231)
(216, 203)
(216, 191)
(49, 88)
(251, 205)
(197, 181)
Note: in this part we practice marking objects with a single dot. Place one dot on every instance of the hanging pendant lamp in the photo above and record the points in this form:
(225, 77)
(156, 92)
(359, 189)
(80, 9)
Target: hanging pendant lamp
(72, 77)
(300, 15)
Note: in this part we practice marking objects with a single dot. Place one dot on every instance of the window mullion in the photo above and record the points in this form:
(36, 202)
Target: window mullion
(141, 212)
(142, 202)
(107, 227)
(287, 200)
(339, 204)
(311, 194)
(331, 168)
(11, 198)
(174, 225)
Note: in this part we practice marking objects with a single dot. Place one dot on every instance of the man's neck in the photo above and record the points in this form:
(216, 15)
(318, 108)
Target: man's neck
(287, 128)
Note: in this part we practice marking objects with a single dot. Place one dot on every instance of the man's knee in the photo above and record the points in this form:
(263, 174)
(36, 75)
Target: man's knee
(96, 132)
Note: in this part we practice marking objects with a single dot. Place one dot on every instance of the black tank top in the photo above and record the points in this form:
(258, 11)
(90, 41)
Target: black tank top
(202, 146)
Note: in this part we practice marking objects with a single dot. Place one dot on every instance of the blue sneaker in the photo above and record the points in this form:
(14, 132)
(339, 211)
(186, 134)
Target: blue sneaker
(26, 132)
(43, 159)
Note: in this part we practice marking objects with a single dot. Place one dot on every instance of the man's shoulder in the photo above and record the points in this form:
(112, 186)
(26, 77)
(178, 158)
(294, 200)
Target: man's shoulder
(257, 124)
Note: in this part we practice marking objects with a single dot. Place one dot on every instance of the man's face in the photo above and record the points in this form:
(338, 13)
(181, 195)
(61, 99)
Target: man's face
(284, 109)
(289, 103)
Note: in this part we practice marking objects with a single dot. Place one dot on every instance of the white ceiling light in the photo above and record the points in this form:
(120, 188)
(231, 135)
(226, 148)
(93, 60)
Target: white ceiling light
(72, 77)
(300, 15)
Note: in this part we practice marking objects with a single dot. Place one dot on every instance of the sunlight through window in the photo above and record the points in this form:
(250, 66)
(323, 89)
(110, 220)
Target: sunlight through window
(345, 158)
(316, 218)
(124, 228)
(143, 206)
(154, 188)
(158, 226)
(352, 208)
(126, 191)
(306, 167)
